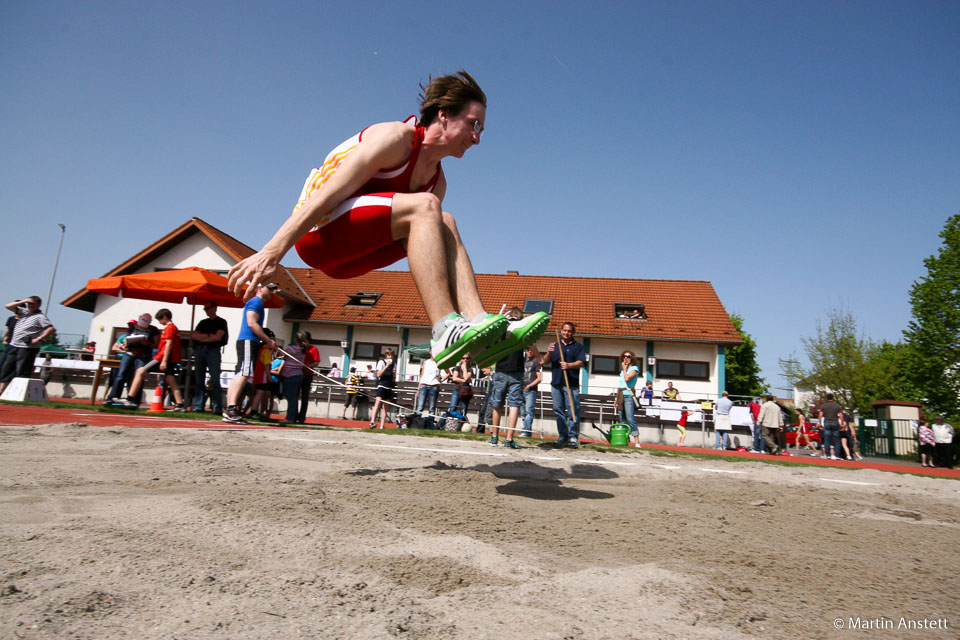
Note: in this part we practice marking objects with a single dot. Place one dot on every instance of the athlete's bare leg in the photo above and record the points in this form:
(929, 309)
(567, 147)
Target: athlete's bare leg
(439, 263)
(463, 280)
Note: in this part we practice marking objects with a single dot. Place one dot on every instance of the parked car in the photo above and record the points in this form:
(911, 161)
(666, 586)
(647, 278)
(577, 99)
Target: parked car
(790, 434)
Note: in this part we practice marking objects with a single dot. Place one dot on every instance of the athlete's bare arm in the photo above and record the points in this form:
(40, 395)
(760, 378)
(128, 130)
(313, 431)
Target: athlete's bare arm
(384, 145)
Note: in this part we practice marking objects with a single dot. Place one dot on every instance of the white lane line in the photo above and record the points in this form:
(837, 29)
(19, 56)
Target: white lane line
(864, 484)
(313, 440)
(87, 414)
(601, 462)
(459, 452)
(667, 466)
(544, 458)
(720, 470)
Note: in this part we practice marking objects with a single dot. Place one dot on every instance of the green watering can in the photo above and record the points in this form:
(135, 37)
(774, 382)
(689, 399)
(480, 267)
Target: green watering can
(618, 434)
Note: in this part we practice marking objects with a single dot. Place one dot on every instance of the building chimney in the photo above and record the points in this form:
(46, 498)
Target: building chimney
(511, 272)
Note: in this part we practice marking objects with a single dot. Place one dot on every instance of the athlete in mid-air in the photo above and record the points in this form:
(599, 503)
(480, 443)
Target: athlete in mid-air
(378, 198)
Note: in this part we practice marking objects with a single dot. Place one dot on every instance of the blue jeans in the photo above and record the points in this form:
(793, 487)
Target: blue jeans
(291, 393)
(758, 443)
(568, 423)
(628, 413)
(207, 358)
(428, 398)
(458, 404)
(725, 438)
(528, 408)
(831, 438)
(128, 366)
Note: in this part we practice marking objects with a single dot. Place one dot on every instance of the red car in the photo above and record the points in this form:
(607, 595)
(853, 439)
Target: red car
(790, 434)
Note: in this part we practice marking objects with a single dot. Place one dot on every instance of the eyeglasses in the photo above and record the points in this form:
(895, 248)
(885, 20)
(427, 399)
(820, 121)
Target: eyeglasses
(627, 356)
(477, 126)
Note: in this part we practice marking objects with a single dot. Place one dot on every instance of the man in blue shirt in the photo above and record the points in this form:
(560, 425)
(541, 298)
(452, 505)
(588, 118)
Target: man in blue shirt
(566, 372)
(248, 344)
(721, 420)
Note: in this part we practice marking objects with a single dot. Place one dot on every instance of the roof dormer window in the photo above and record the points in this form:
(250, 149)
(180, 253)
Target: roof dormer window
(363, 298)
(629, 311)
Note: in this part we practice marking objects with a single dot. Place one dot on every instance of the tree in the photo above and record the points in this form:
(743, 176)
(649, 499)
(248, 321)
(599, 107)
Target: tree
(933, 334)
(742, 371)
(854, 368)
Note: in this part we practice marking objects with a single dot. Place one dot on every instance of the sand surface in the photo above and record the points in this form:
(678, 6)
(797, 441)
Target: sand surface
(155, 533)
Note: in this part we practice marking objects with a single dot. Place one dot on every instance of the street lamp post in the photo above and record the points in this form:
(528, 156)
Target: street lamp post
(63, 231)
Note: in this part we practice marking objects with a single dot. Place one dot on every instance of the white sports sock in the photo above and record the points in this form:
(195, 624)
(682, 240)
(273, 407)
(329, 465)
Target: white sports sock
(442, 324)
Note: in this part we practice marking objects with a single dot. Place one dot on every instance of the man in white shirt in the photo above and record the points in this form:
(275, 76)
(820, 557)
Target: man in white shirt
(943, 443)
(429, 386)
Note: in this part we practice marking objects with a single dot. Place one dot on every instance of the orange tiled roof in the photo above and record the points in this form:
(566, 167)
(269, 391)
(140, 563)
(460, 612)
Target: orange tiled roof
(679, 310)
(290, 290)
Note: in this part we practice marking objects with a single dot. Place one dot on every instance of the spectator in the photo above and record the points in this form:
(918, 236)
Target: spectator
(386, 381)
(647, 392)
(671, 393)
(136, 350)
(483, 380)
(461, 376)
(291, 375)
(532, 376)
(353, 393)
(311, 360)
(682, 425)
(927, 444)
(943, 443)
(506, 392)
(721, 420)
(428, 386)
(166, 360)
(566, 358)
(335, 371)
(830, 419)
(248, 345)
(262, 382)
(371, 375)
(803, 432)
(846, 436)
(31, 329)
(7, 334)
(771, 421)
(755, 429)
(88, 350)
(210, 336)
(626, 400)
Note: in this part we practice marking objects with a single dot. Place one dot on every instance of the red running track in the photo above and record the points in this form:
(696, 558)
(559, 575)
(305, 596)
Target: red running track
(24, 415)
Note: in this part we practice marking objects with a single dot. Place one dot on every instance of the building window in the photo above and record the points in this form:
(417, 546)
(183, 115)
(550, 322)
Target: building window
(533, 305)
(629, 311)
(363, 298)
(371, 350)
(683, 369)
(605, 365)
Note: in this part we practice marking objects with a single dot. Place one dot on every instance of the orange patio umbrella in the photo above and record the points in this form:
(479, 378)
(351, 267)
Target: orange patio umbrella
(192, 285)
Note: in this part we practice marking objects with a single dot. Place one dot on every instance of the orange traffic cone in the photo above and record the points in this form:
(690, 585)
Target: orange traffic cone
(157, 405)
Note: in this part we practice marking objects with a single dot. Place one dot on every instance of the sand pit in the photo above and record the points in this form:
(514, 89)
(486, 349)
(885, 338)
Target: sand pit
(153, 533)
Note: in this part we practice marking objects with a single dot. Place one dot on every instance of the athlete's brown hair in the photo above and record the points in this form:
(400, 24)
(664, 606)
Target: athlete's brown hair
(452, 93)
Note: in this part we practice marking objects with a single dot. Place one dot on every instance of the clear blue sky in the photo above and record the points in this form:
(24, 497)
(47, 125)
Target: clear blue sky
(799, 156)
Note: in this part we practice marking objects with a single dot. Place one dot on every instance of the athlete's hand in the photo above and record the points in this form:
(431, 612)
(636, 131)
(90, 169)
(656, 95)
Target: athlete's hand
(255, 269)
